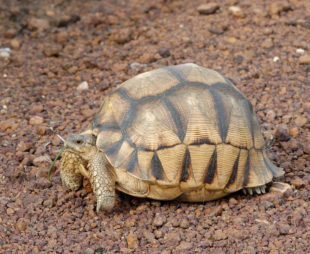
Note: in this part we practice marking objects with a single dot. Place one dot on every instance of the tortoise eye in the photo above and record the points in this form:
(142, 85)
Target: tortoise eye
(79, 141)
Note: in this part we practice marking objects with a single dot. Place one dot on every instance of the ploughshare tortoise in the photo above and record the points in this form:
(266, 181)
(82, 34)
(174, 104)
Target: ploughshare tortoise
(181, 131)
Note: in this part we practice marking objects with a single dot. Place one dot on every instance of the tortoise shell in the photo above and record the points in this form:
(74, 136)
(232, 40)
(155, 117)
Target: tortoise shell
(186, 128)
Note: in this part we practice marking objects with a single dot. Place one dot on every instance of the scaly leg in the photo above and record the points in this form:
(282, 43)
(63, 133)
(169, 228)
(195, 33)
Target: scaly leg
(102, 180)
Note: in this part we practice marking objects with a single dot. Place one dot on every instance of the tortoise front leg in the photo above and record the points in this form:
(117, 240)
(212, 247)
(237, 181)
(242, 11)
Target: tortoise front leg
(102, 180)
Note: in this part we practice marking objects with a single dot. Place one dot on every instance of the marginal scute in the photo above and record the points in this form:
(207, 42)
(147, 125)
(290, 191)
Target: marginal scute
(237, 184)
(172, 160)
(259, 174)
(226, 156)
(200, 158)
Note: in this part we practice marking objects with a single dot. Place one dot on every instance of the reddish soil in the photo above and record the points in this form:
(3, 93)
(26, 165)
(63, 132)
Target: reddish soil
(263, 47)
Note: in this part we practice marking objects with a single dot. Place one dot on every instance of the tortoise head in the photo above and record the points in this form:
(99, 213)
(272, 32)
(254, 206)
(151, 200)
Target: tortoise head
(82, 144)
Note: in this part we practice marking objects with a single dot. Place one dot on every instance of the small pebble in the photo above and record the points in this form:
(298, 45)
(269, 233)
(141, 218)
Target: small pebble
(304, 59)
(300, 51)
(36, 120)
(159, 220)
(83, 86)
(132, 240)
(207, 9)
(236, 11)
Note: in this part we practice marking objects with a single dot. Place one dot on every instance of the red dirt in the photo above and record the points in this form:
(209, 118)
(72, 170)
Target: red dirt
(56, 45)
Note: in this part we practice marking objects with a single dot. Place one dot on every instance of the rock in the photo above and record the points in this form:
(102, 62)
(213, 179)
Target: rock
(184, 223)
(36, 120)
(159, 220)
(300, 51)
(219, 235)
(148, 58)
(37, 108)
(279, 7)
(132, 240)
(304, 59)
(301, 120)
(149, 236)
(9, 211)
(232, 202)
(38, 161)
(5, 53)
(236, 11)
(267, 43)
(282, 133)
(83, 86)
(283, 228)
(89, 251)
(42, 130)
(51, 50)
(207, 9)
(15, 44)
(122, 36)
(184, 246)
(164, 53)
(172, 237)
(270, 115)
(298, 182)
(23, 146)
(294, 132)
(21, 225)
(49, 203)
(38, 24)
(135, 65)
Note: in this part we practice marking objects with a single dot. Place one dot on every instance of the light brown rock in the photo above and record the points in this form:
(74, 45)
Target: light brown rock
(207, 9)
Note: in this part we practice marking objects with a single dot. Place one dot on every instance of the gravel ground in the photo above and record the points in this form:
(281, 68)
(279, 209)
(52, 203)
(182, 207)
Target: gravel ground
(57, 61)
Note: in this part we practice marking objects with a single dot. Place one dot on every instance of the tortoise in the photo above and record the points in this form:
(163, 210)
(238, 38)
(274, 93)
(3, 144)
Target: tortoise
(180, 131)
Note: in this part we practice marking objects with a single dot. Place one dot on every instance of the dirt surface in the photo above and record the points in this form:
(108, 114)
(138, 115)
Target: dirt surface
(49, 48)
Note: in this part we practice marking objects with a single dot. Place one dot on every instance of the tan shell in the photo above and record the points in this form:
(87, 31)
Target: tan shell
(180, 130)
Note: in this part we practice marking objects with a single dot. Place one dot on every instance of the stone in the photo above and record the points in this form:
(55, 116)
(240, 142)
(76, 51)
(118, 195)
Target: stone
(298, 182)
(219, 235)
(207, 9)
(267, 43)
(282, 133)
(21, 225)
(38, 161)
(51, 50)
(301, 120)
(236, 11)
(38, 108)
(184, 223)
(132, 240)
(172, 237)
(184, 246)
(304, 59)
(38, 24)
(23, 146)
(159, 220)
(294, 132)
(36, 120)
(83, 86)
(15, 44)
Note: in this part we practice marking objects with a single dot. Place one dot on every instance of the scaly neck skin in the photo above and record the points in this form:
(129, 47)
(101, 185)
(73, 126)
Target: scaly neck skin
(102, 181)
